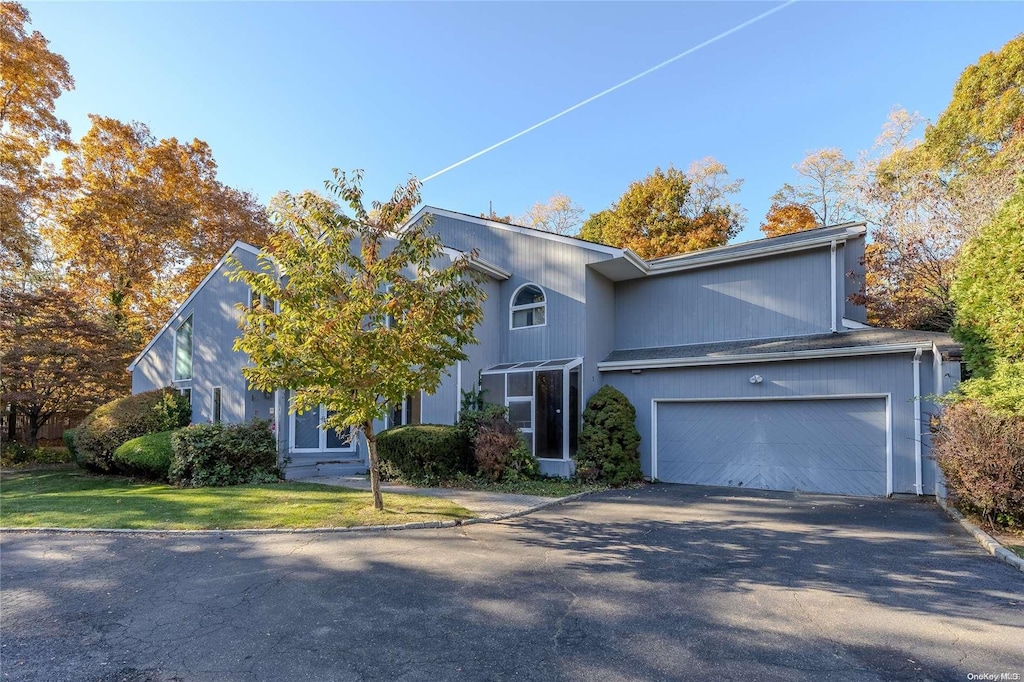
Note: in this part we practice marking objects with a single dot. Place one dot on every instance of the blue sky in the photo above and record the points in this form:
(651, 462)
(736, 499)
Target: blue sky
(283, 92)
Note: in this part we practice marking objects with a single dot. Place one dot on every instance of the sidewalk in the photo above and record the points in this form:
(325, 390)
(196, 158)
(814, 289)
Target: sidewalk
(482, 503)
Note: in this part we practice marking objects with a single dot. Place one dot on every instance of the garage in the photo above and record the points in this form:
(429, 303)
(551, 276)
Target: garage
(827, 445)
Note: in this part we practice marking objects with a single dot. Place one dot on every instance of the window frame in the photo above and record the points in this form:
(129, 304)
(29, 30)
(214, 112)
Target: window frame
(322, 441)
(513, 308)
(190, 320)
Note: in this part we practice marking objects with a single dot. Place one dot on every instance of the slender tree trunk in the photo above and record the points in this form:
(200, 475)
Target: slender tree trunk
(371, 446)
(33, 429)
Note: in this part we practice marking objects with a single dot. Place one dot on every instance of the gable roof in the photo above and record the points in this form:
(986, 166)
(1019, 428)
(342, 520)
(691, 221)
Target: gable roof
(237, 246)
(870, 341)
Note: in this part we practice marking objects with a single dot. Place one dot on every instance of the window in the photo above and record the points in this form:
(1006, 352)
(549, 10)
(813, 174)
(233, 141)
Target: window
(529, 307)
(406, 412)
(307, 433)
(216, 405)
(187, 392)
(183, 350)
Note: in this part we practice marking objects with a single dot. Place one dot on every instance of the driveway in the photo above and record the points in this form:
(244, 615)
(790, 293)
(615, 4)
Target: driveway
(665, 582)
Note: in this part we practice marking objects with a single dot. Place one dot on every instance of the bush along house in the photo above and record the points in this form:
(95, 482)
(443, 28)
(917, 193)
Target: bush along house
(748, 364)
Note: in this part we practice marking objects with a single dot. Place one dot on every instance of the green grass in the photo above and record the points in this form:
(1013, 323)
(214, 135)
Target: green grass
(73, 499)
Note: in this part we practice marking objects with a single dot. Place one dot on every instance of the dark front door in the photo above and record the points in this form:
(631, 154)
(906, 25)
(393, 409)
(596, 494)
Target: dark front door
(548, 422)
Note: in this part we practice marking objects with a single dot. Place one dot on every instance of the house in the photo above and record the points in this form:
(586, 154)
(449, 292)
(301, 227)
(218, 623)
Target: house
(748, 364)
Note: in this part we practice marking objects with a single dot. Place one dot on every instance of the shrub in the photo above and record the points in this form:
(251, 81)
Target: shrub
(17, 455)
(500, 452)
(148, 456)
(118, 421)
(424, 453)
(609, 445)
(981, 454)
(69, 443)
(224, 454)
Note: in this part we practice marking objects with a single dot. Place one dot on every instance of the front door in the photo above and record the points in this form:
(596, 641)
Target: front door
(308, 434)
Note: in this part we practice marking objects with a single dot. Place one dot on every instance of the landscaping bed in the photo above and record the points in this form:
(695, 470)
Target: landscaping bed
(72, 499)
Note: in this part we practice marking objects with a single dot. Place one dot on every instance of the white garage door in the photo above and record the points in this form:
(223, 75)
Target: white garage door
(818, 445)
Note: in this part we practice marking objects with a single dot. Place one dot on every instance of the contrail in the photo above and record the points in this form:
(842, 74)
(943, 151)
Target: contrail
(612, 89)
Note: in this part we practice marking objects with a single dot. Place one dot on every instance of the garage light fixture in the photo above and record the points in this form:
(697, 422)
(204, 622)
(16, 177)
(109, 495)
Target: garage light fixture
(756, 379)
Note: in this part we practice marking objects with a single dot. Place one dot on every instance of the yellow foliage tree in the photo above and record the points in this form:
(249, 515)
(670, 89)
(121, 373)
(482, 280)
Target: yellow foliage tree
(787, 219)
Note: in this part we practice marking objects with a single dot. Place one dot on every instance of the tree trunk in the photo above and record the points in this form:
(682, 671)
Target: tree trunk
(371, 446)
(33, 429)
(12, 423)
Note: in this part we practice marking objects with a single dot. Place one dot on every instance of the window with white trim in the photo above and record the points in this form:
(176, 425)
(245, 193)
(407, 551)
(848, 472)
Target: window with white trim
(183, 350)
(529, 307)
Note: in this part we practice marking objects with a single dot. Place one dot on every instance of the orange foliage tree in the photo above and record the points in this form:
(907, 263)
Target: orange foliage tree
(787, 219)
(138, 222)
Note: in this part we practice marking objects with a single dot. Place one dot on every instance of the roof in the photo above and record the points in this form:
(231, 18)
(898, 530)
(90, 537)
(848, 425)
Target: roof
(854, 342)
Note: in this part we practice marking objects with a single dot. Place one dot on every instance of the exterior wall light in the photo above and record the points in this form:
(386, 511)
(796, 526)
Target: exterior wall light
(756, 379)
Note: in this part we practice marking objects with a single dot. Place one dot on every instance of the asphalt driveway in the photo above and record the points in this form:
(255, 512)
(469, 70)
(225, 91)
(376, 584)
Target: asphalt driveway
(666, 582)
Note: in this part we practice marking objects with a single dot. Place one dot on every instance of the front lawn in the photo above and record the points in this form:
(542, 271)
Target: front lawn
(73, 499)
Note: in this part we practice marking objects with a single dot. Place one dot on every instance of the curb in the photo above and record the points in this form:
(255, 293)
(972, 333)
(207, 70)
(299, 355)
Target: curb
(300, 531)
(990, 544)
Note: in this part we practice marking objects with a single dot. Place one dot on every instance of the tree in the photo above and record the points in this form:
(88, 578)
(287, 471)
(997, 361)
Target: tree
(491, 215)
(989, 291)
(56, 356)
(356, 330)
(31, 79)
(787, 219)
(827, 193)
(559, 214)
(139, 221)
(671, 212)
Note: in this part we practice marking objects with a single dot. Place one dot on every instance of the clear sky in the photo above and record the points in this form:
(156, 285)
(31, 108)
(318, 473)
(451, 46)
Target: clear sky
(283, 92)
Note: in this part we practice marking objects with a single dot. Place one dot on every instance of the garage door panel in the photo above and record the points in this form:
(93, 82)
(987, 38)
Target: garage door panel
(833, 445)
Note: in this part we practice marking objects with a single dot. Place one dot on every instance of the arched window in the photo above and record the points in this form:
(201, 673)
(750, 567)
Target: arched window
(528, 307)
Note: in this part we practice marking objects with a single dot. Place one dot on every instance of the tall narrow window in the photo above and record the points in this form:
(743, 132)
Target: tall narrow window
(183, 350)
(529, 307)
(216, 405)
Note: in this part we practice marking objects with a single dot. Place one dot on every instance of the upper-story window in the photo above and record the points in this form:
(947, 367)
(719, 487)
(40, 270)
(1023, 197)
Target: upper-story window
(183, 350)
(529, 307)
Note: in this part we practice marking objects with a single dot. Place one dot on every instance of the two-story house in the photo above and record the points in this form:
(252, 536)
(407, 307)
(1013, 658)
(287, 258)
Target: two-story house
(748, 364)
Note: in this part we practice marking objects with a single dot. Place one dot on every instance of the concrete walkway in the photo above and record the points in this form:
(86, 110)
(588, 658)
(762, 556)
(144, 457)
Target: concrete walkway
(482, 503)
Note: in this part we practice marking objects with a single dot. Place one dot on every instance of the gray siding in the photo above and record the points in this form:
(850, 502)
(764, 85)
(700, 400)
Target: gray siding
(769, 297)
(892, 374)
(853, 279)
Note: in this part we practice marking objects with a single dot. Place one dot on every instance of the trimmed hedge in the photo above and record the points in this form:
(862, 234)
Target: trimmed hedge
(981, 454)
(224, 454)
(118, 421)
(609, 447)
(426, 453)
(148, 456)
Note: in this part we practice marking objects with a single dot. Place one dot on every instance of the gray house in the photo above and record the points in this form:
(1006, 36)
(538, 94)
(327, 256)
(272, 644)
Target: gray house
(748, 364)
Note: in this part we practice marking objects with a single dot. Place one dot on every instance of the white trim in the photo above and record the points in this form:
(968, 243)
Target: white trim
(852, 351)
(854, 324)
(519, 229)
(937, 369)
(458, 392)
(918, 469)
(726, 254)
(484, 266)
(238, 245)
(835, 304)
(571, 363)
(747, 399)
(513, 308)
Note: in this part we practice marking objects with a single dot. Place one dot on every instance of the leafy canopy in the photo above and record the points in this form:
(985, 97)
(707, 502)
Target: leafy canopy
(670, 212)
(787, 219)
(368, 311)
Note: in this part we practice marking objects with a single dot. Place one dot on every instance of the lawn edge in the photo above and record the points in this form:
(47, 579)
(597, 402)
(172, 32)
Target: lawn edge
(416, 525)
(991, 545)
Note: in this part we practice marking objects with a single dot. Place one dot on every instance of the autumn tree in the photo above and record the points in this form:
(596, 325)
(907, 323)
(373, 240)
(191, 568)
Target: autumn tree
(364, 316)
(559, 214)
(787, 219)
(497, 217)
(139, 221)
(56, 356)
(826, 191)
(671, 212)
(31, 79)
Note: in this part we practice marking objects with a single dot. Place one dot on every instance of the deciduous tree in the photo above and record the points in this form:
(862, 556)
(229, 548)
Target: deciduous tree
(671, 212)
(787, 219)
(31, 79)
(827, 191)
(364, 316)
(140, 221)
(559, 214)
(56, 356)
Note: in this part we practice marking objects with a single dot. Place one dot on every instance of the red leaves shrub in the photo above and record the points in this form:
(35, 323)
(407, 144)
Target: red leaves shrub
(500, 452)
(981, 454)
